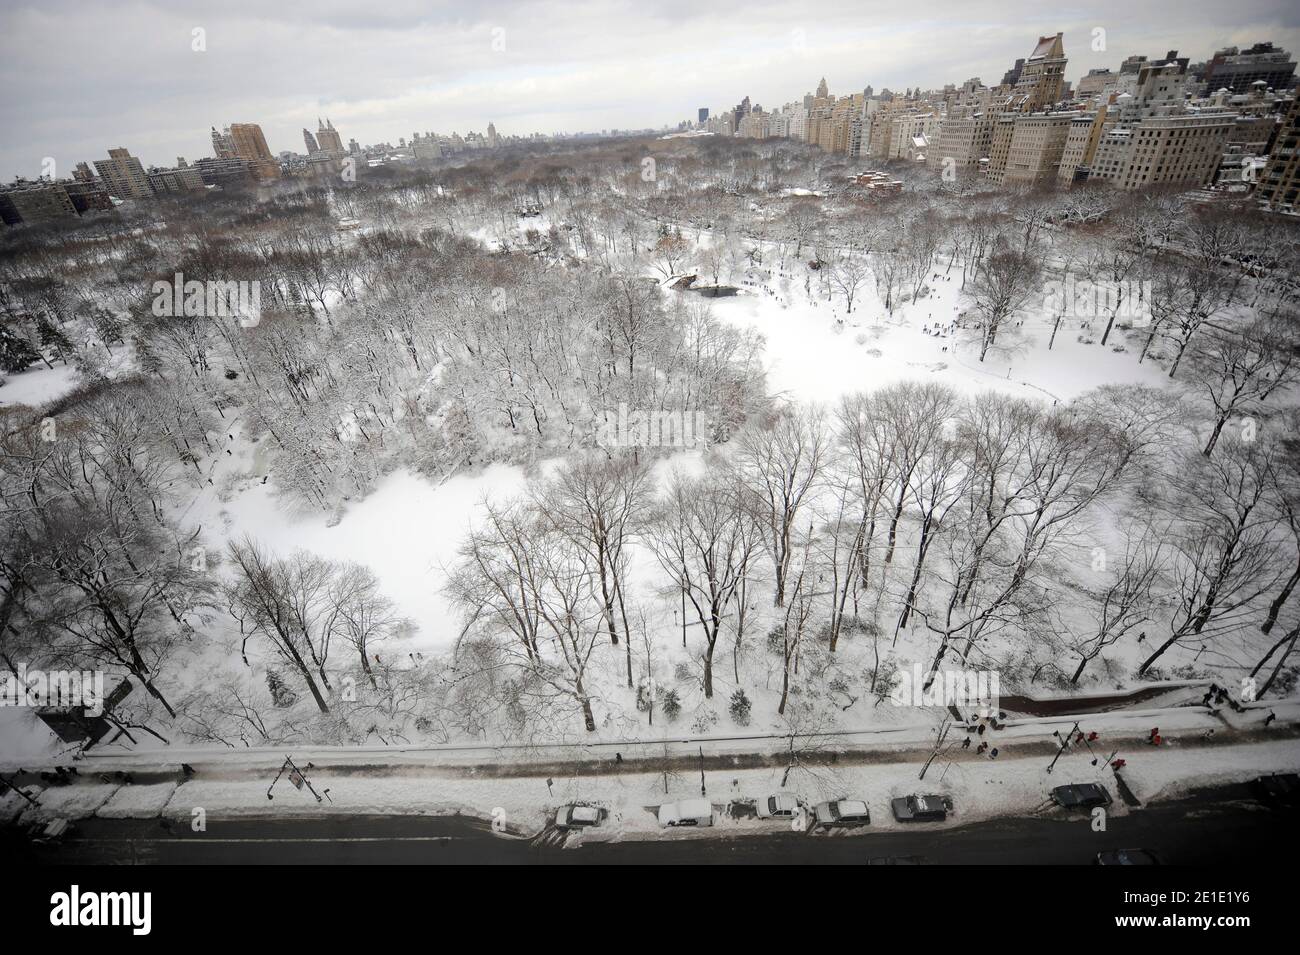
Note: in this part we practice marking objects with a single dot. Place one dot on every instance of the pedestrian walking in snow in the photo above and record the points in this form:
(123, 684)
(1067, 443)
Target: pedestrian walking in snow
(1270, 718)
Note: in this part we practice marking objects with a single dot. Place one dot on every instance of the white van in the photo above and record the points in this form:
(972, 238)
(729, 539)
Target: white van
(686, 812)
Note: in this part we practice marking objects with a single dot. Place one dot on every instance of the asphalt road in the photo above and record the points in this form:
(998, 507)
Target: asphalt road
(1218, 827)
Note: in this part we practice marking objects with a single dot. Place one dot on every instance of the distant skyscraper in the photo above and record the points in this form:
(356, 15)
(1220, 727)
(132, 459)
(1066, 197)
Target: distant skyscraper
(822, 90)
(223, 147)
(310, 141)
(1239, 70)
(330, 141)
(123, 175)
(250, 144)
(704, 114)
(1040, 82)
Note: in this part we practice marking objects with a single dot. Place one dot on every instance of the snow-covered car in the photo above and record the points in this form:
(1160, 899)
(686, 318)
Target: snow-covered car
(1127, 857)
(842, 812)
(578, 817)
(921, 808)
(779, 806)
(1080, 796)
(686, 812)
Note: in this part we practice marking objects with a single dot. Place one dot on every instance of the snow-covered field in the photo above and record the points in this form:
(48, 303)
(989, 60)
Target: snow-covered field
(817, 351)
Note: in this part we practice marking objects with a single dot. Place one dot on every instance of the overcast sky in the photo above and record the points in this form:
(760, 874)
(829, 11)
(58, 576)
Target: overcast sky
(80, 77)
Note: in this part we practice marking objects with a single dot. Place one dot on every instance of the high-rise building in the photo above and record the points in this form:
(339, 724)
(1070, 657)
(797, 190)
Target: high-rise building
(1182, 149)
(310, 142)
(1034, 152)
(1279, 184)
(1237, 70)
(908, 128)
(328, 138)
(87, 195)
(180, 179)
(123, 175)
(248, 143)
(223, 147)
(1040, 83)
(1012, 76)
(1094, 84)
(704, 115)
(40, 201)
(738, 113)
(1081, 146)
(962, 143)
(225, 172)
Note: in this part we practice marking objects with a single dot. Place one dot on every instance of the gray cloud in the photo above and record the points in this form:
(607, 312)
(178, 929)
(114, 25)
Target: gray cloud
(81, 77)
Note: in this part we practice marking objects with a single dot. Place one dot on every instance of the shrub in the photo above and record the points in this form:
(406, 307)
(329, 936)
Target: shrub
(740, 707)
(672, 704)
(282, 694)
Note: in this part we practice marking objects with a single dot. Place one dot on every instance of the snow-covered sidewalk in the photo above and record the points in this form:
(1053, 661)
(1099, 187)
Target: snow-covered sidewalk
(981, 788)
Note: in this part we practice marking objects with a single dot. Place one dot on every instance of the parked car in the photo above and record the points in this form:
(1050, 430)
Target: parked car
(686, 812)
(921, 808)
(578, 817)
(841, 812)
(779, 806)
(52, 832)
(1127, 857)
(1080, 796)
(1279, 789)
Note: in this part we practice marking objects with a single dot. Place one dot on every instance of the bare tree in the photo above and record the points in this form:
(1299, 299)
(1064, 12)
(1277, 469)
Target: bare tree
(706, 540)
(1225, 547)
(1238, 370)
(1003, 285)
(286, 602)
(601, 504)
(779, 463)
(1126, 602)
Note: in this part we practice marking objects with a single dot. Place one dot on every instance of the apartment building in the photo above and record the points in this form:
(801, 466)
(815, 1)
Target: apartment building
(1080, 148)
(123, 175)
(249, 144)
(1004, 127)
(1238, 70)
(40, 201)
(179, 179)
(1041, 80)
(1034, 152)
(964, 140)
(906, 129)
(1278, 187)
(1164, 150)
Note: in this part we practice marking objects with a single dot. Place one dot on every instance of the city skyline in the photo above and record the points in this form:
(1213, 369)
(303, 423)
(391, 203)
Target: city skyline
(406, 69)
